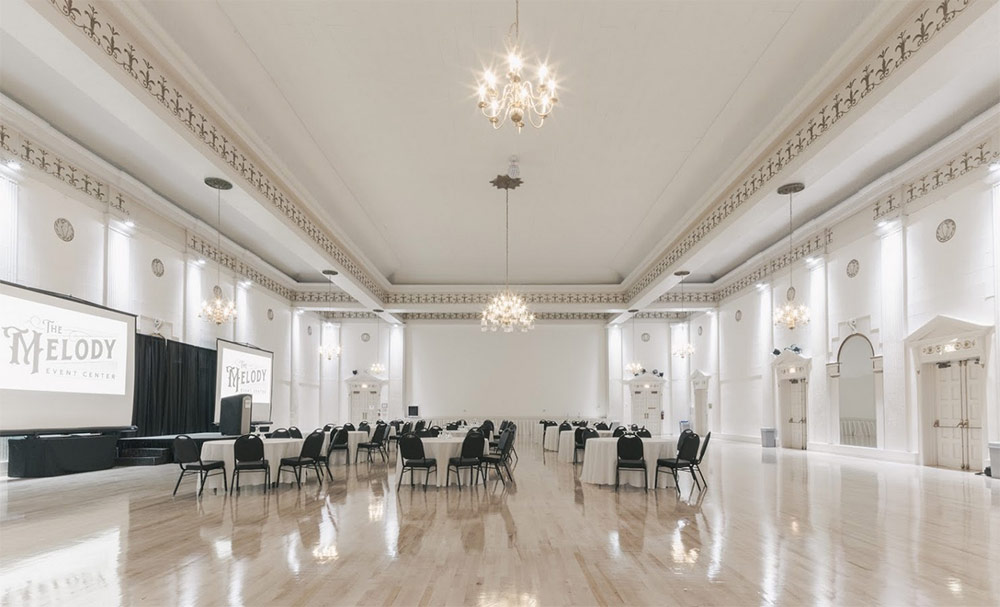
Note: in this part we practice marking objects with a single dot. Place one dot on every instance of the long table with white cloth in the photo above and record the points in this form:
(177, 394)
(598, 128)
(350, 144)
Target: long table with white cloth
(274, 450)
(441, 449)
(601, 457)
(567, 441)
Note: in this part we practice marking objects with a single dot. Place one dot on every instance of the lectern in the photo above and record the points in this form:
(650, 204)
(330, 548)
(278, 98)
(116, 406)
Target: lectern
(234, 414)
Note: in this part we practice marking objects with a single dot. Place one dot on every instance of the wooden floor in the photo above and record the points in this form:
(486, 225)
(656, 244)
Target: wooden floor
(774, 527)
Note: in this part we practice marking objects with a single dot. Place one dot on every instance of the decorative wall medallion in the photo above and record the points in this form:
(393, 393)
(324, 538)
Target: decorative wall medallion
(739, 315)
(64, 229)
(309, 330)
(365, 337)
(945, 230)
(853, 267)
(157, 267)
(790, 294)
(270, 314)
(645, 337)
(700, 329)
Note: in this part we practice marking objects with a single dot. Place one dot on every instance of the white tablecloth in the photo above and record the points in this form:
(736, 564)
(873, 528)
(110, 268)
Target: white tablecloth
(601, 456)
(552, 438)
(441, 449)
(274, 450)
(567, 439)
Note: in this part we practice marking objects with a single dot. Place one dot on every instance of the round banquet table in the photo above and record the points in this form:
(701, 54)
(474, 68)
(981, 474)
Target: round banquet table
(552, 439)
(441, 449)
(601, 456)
(567, 440)
(274, 450)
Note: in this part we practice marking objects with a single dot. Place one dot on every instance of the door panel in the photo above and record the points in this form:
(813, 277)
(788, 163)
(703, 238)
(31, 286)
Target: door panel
(950, 446)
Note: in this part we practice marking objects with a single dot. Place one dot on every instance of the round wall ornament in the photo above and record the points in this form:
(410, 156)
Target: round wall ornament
(309, 330)
(64, 229)
(270, 314)
(365, 337)
(945, 230)
(853, 267)
(790, 294)
(645, 337)
(700, 330)
(739, 315)
(157, 267)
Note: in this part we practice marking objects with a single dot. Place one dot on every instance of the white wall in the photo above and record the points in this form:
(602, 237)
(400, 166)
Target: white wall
(558, 370)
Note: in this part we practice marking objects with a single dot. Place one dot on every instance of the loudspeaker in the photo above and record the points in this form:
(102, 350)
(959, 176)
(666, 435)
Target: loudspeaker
(234, 414)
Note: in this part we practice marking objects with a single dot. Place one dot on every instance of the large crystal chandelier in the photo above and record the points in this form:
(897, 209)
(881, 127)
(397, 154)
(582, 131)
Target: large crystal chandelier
(507, 310)
(635, 367)
(684, 349)
(377, 368)
(220, 309)
(789, 314)
(330, 350)
(517, 99)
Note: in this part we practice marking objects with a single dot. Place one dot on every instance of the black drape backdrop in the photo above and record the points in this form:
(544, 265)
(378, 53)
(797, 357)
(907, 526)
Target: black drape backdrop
(174, 387)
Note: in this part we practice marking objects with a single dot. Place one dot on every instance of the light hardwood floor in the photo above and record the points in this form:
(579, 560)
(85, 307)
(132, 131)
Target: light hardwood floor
(774, 527)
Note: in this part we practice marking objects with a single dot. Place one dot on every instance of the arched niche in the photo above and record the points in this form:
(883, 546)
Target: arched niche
(857, 392)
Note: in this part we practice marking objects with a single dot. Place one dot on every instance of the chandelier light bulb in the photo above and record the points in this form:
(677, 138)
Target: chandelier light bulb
(330, 351)
(634, 368)
(219, 310)
(506, 312)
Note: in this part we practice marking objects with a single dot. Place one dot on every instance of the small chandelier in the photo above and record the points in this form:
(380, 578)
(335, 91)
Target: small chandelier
(507, 310)
(330, 351)
(220, 309)
(518, 100)
(684, 349)
(789, 314)
(635, 367)
(377, 368)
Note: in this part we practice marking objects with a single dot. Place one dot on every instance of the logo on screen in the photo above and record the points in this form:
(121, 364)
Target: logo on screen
(241, 376)
(32, 347)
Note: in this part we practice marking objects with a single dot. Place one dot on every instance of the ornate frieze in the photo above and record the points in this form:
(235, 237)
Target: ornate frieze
(324, 296)
(953, 345)
(662, 315)
(227, 260)
(815, 245)
(402, 299)
(702, 297)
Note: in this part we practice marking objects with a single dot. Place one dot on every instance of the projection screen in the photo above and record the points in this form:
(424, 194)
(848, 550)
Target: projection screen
(244, 369)
(65, 364)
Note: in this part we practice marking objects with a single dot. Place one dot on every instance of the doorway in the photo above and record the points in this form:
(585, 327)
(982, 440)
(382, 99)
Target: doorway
(792, 393)
(365, 403)
(958, 414)
(701, 411)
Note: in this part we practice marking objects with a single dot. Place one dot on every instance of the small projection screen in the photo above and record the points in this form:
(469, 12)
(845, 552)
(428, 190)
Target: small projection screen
(65, 364)
(244, 369)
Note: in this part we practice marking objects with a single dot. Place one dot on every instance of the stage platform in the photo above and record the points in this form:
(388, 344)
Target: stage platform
(156, 450)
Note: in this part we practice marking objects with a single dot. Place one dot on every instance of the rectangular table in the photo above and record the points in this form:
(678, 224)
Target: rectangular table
(441, 449)
(274, 450)
(567, 441)
(601, 456)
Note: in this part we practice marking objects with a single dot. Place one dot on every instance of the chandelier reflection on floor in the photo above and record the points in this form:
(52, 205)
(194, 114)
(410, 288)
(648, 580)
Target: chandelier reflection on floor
(519, 100)
(220, 309)
(507, 310)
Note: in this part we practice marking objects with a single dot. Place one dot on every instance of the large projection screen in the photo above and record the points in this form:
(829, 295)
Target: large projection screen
(244, 369)
(65, 364)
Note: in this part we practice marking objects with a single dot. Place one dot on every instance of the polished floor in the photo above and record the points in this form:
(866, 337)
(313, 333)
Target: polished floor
(774, 528)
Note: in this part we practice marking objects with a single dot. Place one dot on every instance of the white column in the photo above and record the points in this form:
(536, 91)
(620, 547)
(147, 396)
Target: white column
(616, 366)
(993, 366)
(397, 365)
(765, 329)
(894, 431)
(329, 376)
(8, 229)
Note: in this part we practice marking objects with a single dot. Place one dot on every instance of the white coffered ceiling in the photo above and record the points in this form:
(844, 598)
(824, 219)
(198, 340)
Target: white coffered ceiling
(365, 111)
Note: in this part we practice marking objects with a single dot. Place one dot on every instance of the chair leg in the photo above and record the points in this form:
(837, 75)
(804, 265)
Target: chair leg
(447, 478)
(656, 477)
(236, 481)
(179, 481)
(695, 478)
(616, 479)
(327, 464)
(702, 475)
(645, 479)
(225, 487)
(298, 476)
(427, 477)
(400, 481)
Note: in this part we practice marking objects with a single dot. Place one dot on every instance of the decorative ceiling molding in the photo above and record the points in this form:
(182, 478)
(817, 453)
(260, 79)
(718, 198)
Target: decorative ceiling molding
(662, 315)
(601, 316)
(235, 264)
(483, 298)
(347, 315)
(322, 296)
(925, 24)
(815, 245)
(972, 158)
(128, 55)
(689, 297)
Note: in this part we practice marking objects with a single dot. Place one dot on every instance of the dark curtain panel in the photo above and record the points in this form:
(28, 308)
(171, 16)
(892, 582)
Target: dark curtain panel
(174, 387)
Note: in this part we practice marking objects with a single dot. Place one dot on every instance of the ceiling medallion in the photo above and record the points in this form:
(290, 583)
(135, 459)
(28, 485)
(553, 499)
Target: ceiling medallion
(507, 310)
(157, 266)
(518, 99)
(853, 267)
(789, 314)
(64, 229)
(684, 349)
(220, 309)
(945, 230)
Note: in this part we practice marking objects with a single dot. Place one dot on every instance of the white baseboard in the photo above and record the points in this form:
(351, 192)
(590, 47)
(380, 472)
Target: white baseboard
(899, 457)
(740, 438)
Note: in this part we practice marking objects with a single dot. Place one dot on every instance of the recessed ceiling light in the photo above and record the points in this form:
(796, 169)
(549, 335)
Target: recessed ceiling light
(13, 165)
(130, 223)
(201, 261)
(994, 166)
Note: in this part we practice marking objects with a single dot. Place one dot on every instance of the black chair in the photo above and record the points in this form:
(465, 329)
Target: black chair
(411, 450)
(364, 427)
(588, 433)
(187, 454)
(281, 433)
(421, 424)
(686, 455)
(644, 433)
(328, 427)
(472, 451)
(577, 441)
(350, 427)
(308, 457)
(602, 426)
(683, 436)
(499, 459)
(701, 455)
(295, 432)
(377, 443)
(565, 426)
(248, 453)
(400, 431)
(338, 442)
(631, 457)
(487, 427)
(619, 431)
(451, 427)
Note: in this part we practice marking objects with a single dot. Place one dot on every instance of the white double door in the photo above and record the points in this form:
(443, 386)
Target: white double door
(794, 435)
(958, 426)
(365, 405)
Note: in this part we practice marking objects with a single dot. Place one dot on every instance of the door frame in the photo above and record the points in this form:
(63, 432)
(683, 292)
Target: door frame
(785, 367)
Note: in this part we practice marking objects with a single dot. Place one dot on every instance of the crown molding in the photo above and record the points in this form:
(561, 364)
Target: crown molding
(320, 295)
(483, 297)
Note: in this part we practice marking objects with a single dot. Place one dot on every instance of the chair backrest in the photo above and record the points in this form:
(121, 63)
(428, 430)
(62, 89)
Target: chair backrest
(281, 433)
(186, 450)
(507, 440)
(349, 427)
(684, 435)
(504, 424)
(248, 448)
(436, 427)
(363, 426)
(619, 431)
(583, 423)
(451, 426)
(704, 447)
(689, 448)
(328, 427)
(312, 447)
(565, 426)
(407, 428)
(602, 426)
(590, 433)
(411, 447)
(487, 425)
(474, 444)
(578, 437)
(629, 447)
(644, 433)
(421, 424)
(634, 427)
(379, 435)
(339, 437)
(295, 432)
(428, 433)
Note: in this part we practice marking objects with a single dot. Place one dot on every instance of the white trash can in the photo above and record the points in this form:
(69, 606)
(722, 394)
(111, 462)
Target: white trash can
(995, 460)
(768, 437)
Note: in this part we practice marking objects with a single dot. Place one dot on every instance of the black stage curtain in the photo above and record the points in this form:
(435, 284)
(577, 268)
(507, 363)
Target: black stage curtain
(174, 387)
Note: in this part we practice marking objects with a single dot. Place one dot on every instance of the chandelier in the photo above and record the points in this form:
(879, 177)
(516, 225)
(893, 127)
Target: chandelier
(220, 309)
(330, 351)
(684, 349)
(507, 310)
(791, 314)
(635, 367)
(517, 99)
(377, 368)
